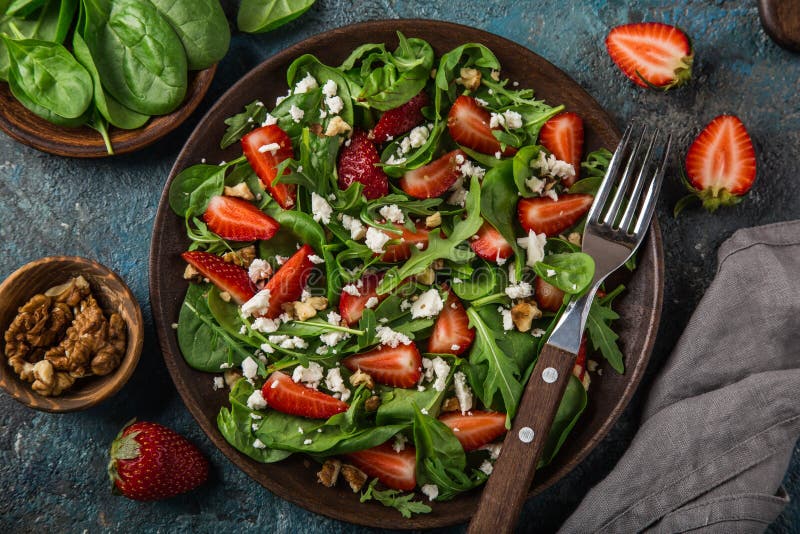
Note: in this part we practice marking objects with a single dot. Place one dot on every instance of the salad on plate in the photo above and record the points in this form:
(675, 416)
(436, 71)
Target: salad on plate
(374, 277)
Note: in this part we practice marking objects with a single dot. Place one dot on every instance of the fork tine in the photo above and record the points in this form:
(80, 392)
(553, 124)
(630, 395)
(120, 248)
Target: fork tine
(609, 179)
(649, 204)
(644, 175)
(622, 187)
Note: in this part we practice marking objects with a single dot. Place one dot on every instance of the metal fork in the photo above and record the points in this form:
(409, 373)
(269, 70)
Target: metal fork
(616, 225)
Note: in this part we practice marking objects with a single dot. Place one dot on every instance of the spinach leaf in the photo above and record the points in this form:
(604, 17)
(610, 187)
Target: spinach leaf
(44, 24)
(50, 76)
(438, 247)
(395, 499)
(497, 373)
(238, 125)
(45, 113)
(483, 282)
(22, 8)
(598, 327)
(397, 404)
(202, 28)
(114, 112)
(139, 56)
(522, 168)
(450, 64)
(308, 64)
(499, 207)
(572, 405)
(194, 186)
(204, 344)
(570, 272)
(226, 315)
(259, 16)
(417, 157)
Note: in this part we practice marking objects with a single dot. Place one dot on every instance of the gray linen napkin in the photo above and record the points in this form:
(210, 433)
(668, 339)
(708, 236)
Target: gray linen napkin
(723, 416)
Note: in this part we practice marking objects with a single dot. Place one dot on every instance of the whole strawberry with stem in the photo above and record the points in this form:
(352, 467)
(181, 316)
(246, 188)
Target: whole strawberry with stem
(150, 462)
(720, 165)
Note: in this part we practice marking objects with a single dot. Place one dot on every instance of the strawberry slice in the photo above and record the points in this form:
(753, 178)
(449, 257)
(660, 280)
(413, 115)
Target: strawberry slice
(651, 54)
(357, 164)
(402, 251)
(397, 470)
(720, 164)
(351, 307)
(394, 366)
(551, 217)
(548, 297)
(468, 124)
(226, 276)
(236, 219)
(286, 396)
(287, 284)
(580, 361)
(259, 146)
(476, 428)
(451, 331)
(435, 178)
(401, 119)
(490, 245)
(563, 136)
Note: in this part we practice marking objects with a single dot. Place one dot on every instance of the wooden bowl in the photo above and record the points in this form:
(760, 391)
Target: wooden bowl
(30, 129)
(111, 293)
(639, 306)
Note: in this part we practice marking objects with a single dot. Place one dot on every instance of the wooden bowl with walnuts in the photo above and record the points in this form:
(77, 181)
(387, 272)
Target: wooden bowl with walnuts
(71, 334)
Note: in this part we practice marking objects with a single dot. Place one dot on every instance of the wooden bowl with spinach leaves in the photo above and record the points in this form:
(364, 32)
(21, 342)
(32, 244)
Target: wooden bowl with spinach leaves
(91, 78)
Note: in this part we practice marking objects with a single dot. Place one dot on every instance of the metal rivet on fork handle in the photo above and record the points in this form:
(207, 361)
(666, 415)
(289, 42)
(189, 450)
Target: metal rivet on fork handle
(549, 375)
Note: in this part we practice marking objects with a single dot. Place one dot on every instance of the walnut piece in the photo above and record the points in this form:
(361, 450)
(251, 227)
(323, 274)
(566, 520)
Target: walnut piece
(192, 274)
(239, 190)
(360, 377)
(231, 376)
(329, 474)
(242, 257)
(38, 325)
(318, 303)
(523, 313)
(427, 277)
(470, 78)
(354, 476)
(451, 404)
(574, 238)
(337, 126)
(48, 382)
(372, 403)
(432, 221)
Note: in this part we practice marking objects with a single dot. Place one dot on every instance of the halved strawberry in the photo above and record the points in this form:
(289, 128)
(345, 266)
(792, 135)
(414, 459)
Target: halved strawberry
(563, 136)
(468, 124)
(357, 164)
(433, 179)
(490, 245)
(351, 307)
(720, 164)
(548, 297)
(394, 366)
(287, 284)
(476, 428)
(236, 219)
(651, 54)
(544, 215)
(401, 119)
(397, 470)
(579, 370)
(226, 276)
(286, 396)
(259, 148)
(451, 331)
(402, 251)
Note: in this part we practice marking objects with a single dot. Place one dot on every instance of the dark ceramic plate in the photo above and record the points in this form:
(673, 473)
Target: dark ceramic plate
(640, 308)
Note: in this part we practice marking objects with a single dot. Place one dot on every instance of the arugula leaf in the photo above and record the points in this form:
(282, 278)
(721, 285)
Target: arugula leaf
(598, 326)
(499, 207)
(439, 248)
(238, 125)
(395, 499)
(596, 163)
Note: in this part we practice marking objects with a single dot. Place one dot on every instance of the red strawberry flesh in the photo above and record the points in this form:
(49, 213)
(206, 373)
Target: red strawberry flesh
(286, 396)
(226, 276)
(357, 163)
(562, 135)
(451, 331)
(548, 297)
(546, 216)
(722, 157)
(394, 469)
(490, 245)
(287, 284)
(476, 428)
(435, 178)
(265, 148)
(394, 366)
(468, 124)
(236, 219)
(401, 119)
(351, 307)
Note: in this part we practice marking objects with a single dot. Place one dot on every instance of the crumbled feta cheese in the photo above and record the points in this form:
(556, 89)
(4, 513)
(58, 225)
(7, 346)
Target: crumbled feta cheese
(519, 290)
(277, 339)
(393, 160)
(330, 88)
(549, 165)
(258, 444)
(282, 98)
(351, 289)
(512, 119)
(419, 246)
(550, 272)
(487, 467)
(387, 336)
(311, 376)
(534, 245)
(300, 430)
(335, 383)
(481, 102)
(271, 148)
(255, 416)
(508, 322)
(257, 305)
(430, 490)
(376, 240)
(494, 450)
(256, 401)
(399, 443)
(249, 368)
(429, 304)
(459, 159)
(405, 305)
(457, 280)
(308, 441)
(280, 260)
(296, 113)
(294, 343)
(455, 347)
(334, 318)
(418, 136)
(498, 154)
(266, 347)
(458, 197)
(470, 170)
(316, 259)
(405, 146)
(320, 209)
(496, 120)
(463, 393)
(441, 369)
(392, 213)
(259, 270)
(303, 86)
(269, 120)
(537, 332)
(424, 411)
(265, 325)
(354, 225)
(335, 104)
(551, 193)
(535, 184)
(218, 383)
(371, 303)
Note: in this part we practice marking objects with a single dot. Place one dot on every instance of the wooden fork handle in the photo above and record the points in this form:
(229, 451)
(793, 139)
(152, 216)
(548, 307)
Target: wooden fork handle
(507, 487)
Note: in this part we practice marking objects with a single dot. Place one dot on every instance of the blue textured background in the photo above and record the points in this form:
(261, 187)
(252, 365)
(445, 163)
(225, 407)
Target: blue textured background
(52, 467)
